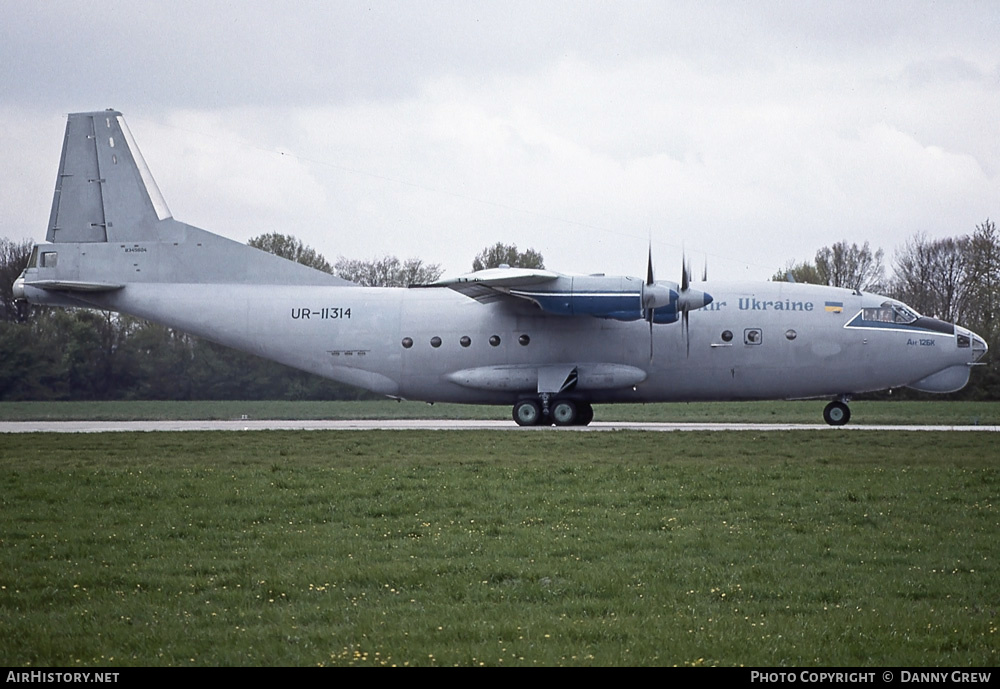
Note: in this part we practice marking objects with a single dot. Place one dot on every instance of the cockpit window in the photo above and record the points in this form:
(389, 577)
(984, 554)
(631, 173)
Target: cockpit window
(889, 312)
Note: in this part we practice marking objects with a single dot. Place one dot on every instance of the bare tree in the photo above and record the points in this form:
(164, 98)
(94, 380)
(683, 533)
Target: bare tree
(984, 279)
(850, 266)
(13, 258)
(387, 271)
(932, 276)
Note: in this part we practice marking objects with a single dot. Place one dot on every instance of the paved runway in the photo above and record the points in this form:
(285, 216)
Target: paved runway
(430, 424)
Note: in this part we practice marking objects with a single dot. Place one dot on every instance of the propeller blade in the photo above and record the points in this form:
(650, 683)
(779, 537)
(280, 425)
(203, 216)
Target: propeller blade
(685, 284)
(650, 319)
(687, 332)
(650, 281)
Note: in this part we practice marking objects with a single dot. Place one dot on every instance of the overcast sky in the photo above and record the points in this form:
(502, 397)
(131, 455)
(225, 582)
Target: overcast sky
(750, 133)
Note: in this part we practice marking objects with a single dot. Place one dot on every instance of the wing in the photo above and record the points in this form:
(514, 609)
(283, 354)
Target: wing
(619, 297)
(493, 284)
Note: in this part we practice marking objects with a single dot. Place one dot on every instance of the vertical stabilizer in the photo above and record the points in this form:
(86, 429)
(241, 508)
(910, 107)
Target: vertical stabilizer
(110, 227)
(104, 191)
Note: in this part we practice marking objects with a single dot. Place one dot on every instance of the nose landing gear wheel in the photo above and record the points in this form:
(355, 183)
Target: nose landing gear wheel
(837, 413)
(527, 413)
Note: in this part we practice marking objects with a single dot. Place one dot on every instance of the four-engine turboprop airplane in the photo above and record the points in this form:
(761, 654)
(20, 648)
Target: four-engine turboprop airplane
(549, 344)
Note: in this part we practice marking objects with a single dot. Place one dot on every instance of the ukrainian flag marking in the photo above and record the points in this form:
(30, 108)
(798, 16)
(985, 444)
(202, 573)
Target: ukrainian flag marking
(835, 306)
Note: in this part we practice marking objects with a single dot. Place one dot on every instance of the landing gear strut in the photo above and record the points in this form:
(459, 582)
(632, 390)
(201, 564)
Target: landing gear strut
(837, 413)
(560, 412)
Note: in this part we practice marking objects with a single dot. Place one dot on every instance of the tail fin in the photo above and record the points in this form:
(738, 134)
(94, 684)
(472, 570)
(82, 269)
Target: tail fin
(110, 227)
(104, 191)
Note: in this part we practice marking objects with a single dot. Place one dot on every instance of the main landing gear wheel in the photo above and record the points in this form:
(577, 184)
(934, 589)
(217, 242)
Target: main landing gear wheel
(564, 413)
(527, 413)
(837, 413)
(584, 414)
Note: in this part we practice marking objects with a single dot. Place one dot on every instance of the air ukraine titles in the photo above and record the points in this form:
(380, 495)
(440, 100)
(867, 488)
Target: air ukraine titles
(751, 304)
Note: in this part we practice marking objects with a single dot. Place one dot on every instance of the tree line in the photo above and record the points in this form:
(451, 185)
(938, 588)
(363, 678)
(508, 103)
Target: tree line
(54, 353)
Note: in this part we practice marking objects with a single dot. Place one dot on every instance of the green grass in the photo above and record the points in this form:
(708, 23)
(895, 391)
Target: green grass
(809, 412)
(468, 548)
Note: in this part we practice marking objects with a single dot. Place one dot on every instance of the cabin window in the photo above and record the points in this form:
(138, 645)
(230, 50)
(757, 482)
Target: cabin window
(494, 340)
(889, 312)
(791, 334)
(524, 340)
(435, 342)
(407, 342)
(33, 260)
(465, 341)
(49, 259)
(727, 335)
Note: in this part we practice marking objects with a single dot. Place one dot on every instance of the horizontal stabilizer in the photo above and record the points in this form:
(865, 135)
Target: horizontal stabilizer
(74, 285)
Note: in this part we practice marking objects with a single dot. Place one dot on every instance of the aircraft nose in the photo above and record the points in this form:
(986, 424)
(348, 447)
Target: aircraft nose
(979, 347)
(970, 340)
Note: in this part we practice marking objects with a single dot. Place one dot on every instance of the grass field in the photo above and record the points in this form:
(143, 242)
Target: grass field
(469, 548)
(808, 412)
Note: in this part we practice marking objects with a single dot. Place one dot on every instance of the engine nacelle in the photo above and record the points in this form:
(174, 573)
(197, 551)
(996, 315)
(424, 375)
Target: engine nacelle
(622, 298)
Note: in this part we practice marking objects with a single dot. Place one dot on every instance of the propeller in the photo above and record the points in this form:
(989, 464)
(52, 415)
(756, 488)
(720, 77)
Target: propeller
(654, 295)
